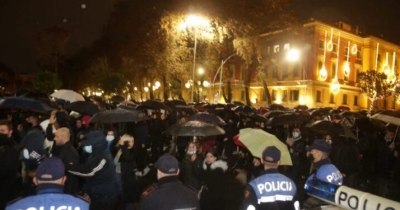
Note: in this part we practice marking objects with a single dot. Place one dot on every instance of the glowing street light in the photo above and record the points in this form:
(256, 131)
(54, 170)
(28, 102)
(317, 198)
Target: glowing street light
(200, 71)
(293, 55)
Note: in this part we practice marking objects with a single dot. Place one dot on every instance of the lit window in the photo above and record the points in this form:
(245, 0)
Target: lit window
(276, 48)
(332, 98)
(355, 100)
(294, 95)
(318, 98)
(344, 102)
(286, 47)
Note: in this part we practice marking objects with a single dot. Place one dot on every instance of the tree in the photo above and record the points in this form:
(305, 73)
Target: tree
(50, 47)
(113, 83)
(47, 82)
(375, 86)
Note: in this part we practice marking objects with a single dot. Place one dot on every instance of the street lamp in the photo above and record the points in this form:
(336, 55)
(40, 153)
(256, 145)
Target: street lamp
(196, 22)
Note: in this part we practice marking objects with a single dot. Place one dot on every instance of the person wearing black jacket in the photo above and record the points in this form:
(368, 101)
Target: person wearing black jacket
(68, 154)
(169, 193)
(125, 161)
(191, 167)
(99, 172)
(8, 163)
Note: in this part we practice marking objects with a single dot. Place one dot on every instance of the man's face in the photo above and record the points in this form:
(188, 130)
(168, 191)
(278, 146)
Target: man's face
(317, 155)
(58, 138)
(78, 124)
(162, 116)
(4, 130)
(296, 130)
(389, 136)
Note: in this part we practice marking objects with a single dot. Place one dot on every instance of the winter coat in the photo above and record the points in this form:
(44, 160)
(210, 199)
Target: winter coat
(8, 171)
(212, 193)
(190, 171)
(127, 160)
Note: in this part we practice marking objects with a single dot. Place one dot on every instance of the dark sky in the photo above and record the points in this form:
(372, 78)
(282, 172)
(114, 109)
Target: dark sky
(22, 20)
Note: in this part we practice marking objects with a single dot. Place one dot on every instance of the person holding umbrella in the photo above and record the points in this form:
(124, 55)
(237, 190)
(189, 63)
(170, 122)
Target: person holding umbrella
(271, 190)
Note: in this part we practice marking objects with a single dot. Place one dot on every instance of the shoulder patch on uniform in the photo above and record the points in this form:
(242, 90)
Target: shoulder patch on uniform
(149, 190)
(246, 194)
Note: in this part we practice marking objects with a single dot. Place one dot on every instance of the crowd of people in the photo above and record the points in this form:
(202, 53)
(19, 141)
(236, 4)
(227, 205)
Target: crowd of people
(137, 166)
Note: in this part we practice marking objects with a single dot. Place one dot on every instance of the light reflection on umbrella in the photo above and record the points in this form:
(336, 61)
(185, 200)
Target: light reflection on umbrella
(194, 128)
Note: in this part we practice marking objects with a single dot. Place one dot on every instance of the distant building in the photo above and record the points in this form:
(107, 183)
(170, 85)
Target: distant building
(301, 81)
(11, 82)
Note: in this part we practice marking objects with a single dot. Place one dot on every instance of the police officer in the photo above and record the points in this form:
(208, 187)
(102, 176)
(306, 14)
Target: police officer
(169, 193)
(324, 170)
(271, 190)
(50, 181)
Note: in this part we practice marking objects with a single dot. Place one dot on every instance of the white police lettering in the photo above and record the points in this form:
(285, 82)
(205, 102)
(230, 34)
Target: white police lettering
(54, 208)
(275, 186)
(334, 176)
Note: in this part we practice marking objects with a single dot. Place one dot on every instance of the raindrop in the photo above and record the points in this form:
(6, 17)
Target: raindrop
(83, 6)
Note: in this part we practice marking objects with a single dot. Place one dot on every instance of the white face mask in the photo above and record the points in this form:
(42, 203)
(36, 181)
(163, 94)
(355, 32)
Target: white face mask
(191, 152)
(25, 154)
(88, 149)
(329, 141)
(295, 134)
(109, 138)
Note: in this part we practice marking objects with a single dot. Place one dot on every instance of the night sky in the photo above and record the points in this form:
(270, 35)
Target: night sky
(22, 20)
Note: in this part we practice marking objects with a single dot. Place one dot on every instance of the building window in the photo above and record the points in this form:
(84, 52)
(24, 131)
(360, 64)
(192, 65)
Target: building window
(346, 50)
(286, 47)
(294, 95)
(296, 68)
(379, 57)
(344, 102)
(273, 97)
(276, 48)
(358, 56)
(320, 65)
(334, 48)
(332, 98)
(333, 69)
(318, 97)
(357, 72)
(321, 44)
(284, 95)
(285, 71)
(242, 94)
(275, 71)
(355, 100)
(345, 78)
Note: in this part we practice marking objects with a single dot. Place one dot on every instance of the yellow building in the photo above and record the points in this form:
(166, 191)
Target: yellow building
(300, 79)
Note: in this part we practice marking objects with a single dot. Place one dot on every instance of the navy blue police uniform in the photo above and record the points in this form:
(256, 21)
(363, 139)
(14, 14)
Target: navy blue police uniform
(271, 190)
(169, 193)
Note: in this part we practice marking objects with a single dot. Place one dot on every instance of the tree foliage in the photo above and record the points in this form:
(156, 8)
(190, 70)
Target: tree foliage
(47, 82)
(113, 83)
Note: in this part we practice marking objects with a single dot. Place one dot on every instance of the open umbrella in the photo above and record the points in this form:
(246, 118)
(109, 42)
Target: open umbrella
(68, 95)
(256, 140)
(391, 117)
(276, 107)
(154, 104)
(274, 113)
(83, 107)
(117, 99)
(237, 141)
(119, 115)
(327, 127)
(174, 103)
(185, 108)
(205, 117)
(194, 128)
(258, 118)
(289, 118)
(24, 103)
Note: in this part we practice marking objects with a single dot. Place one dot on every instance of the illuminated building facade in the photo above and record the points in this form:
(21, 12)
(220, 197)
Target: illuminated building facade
(321, 71)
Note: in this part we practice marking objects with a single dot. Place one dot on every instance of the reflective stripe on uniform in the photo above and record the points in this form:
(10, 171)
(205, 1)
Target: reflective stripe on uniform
(273, 198)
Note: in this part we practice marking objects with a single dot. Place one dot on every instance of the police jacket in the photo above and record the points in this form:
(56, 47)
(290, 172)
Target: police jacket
(49, 196)
(327, 172)
(272, 191)
(99, 172)
(169, 194)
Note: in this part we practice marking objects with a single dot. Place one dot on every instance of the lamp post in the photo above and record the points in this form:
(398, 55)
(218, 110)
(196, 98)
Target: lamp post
(220, 70)
(196, 22)
(201, 83)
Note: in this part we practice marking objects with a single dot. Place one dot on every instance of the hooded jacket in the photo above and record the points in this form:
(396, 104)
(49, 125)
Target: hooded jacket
(99, 169)
(213, 176)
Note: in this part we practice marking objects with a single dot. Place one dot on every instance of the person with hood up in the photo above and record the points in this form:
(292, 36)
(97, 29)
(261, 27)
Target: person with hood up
(213, 176)
(99, 172)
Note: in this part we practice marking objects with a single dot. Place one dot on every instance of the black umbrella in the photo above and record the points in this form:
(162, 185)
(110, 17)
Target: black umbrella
(290, 118)
(258, 118)
(245, 109)
(194, 128)
(117, 99)
(205, 117)
(327, 127)
(276, 107)
(238, 103)
(339, 129)
(24, 103)
(301, 107)
(174, 103)
(347, 114)
(188, 109)
(321, 126)
(83, 107)
(370, 125)
(274, 113)
(154, 104)
(119, 115)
